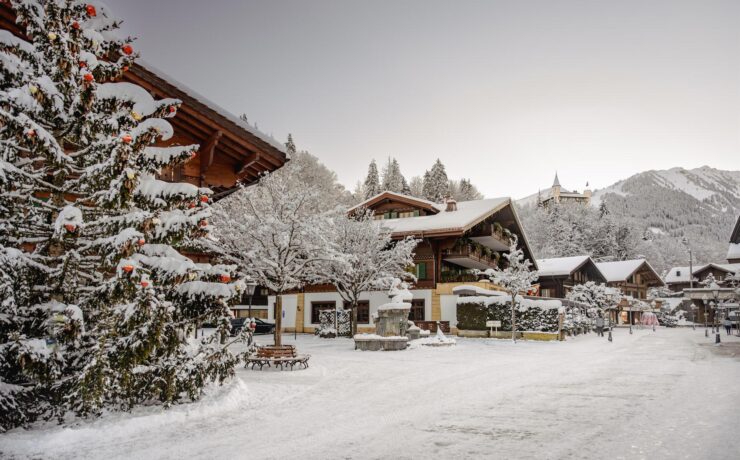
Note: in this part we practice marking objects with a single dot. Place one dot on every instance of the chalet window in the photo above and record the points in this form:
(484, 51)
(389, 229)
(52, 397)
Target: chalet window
(417, 310)
(363, 311)
(678, 272)
(405, 214)
(421, 271)
(316, 307)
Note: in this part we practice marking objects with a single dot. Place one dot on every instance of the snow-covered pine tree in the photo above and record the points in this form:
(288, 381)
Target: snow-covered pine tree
(363, 258)
(372, 181)
(438, 187)
(426, 185)
(393, 180)
(517, 277)
(103, 304)
(290, 148)
(405, 188)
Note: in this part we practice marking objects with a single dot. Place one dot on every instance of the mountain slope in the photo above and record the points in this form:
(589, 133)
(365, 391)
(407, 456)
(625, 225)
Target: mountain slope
(665, 207)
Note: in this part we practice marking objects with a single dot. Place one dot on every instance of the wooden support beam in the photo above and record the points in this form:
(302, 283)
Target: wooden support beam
(205, 153)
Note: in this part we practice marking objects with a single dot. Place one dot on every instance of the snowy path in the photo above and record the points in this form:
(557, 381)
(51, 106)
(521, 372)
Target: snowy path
(667, 394)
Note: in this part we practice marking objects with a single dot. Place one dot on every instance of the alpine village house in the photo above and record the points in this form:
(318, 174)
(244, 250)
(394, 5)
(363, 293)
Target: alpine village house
(557, 276)
(455, 238)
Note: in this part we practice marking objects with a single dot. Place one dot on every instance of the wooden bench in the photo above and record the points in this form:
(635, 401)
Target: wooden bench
(284, 355)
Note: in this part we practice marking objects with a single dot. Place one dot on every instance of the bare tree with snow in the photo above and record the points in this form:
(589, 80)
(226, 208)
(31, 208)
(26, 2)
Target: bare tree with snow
(517, 277)
(276, 232)
(364, 257)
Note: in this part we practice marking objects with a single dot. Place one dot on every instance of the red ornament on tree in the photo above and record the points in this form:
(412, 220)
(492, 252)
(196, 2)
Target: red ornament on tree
(204, 198)
(191, 205)
(83, 64)
(127, 49)
(225, 278)
(128, 268)
(91, 11)
(88, 77)
(203, 223)
(144, 283)
(126, 138)
(173, 109)
(76, 25)
(31, 133)
(70, 227)
(141, 241)
(125, 68)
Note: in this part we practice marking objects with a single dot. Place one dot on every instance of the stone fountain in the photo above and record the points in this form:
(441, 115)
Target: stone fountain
(391, 322)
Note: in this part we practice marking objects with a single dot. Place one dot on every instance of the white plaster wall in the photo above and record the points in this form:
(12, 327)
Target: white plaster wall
(448, 304)
(376, 298)
(290, 303)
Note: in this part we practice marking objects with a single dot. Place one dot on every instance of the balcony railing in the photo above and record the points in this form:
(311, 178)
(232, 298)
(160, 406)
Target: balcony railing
(472, 252)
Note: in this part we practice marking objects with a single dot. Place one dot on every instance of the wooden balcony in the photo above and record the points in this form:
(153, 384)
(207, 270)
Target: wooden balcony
(469, 256)
(491, 236)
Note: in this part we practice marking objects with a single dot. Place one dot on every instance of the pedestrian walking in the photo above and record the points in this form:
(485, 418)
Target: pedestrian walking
(728, 325)
(600, 325)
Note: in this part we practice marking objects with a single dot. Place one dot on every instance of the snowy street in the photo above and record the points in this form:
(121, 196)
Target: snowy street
(664, 394)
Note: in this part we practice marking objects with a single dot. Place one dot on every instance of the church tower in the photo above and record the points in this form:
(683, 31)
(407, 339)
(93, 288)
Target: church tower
(556, 188)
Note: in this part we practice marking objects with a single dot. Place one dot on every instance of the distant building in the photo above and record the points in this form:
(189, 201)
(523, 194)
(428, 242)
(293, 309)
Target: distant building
(632, 277)
(557, 276)
(733, 253)
(557, 194)
(677, 279)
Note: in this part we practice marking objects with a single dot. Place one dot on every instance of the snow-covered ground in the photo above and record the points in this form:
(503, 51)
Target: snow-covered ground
(664, 394)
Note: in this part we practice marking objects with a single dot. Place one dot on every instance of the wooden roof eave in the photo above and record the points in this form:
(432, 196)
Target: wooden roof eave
(206, 115)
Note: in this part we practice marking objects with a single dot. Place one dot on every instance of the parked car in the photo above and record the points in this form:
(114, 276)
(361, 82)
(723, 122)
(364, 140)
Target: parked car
(260, 326)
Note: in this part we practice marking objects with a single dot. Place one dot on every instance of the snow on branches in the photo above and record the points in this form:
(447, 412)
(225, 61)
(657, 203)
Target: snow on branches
(517, 277)
(364, 257)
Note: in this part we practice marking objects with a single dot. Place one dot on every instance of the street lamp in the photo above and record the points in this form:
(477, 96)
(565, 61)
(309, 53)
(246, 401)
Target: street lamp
(705, 301)
(715, 292)
(693, 309)
(691, 263)
(250, 287)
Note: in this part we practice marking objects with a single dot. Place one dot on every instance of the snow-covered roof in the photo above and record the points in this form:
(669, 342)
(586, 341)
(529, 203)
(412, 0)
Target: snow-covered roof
(212, 105)
(680, 274)
(729, 268)
(734, 251)
(621, 270)
(468, 214)
(421, 201)
(560, 266)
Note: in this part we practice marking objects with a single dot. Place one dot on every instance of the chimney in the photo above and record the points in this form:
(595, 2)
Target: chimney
(451, 205)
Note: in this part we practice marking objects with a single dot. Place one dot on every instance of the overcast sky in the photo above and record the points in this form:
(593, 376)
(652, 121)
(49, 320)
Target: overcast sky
(503, 92)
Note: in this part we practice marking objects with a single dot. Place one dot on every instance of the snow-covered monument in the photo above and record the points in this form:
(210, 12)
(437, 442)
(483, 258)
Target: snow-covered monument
(391, 322)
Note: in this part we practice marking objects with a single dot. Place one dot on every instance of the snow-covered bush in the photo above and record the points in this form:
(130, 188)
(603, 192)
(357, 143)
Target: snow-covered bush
(532, 315)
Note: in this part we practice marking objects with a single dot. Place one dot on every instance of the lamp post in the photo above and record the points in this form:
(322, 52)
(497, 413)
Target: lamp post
(691, 262)
(705, 301)
(693, 309)
(715, 292)
(250, 287)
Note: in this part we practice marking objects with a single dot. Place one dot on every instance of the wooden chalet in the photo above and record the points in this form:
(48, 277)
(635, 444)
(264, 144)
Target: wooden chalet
(677, 279)
(557, 276)
(455, 237)
(632, 277)
(733, 252)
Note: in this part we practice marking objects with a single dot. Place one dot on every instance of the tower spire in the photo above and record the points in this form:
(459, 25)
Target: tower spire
(556, 183)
